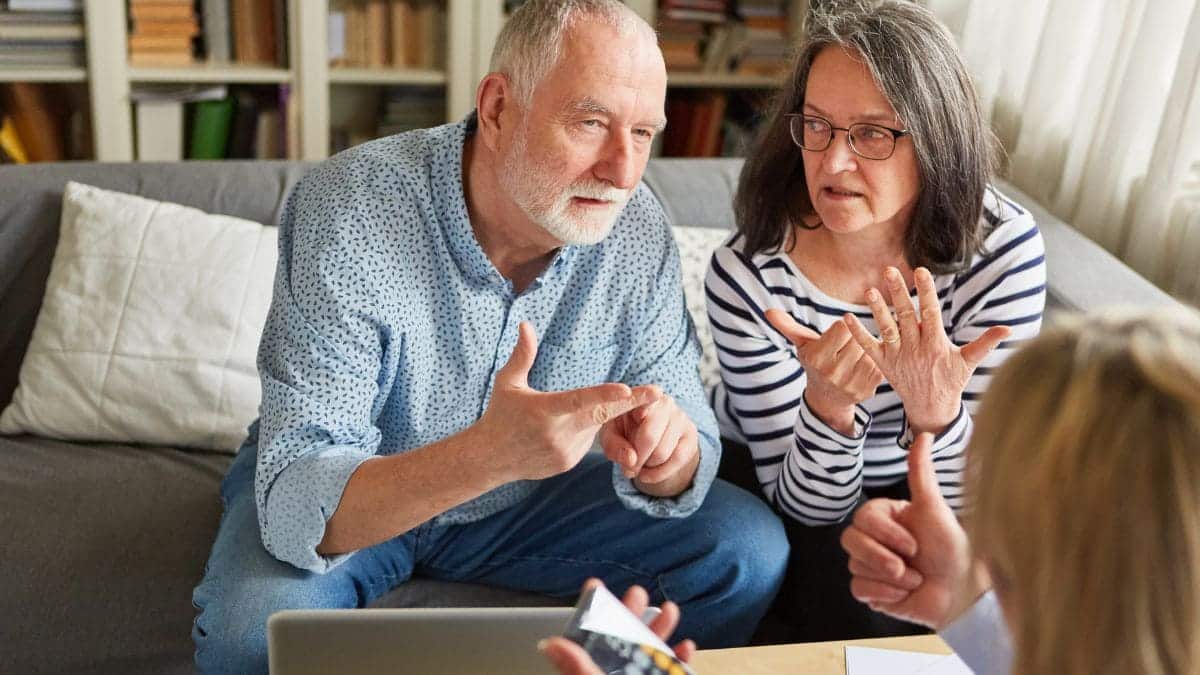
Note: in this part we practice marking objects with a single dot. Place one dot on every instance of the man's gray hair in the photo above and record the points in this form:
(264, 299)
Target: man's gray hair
(531, 41)
(916, 65)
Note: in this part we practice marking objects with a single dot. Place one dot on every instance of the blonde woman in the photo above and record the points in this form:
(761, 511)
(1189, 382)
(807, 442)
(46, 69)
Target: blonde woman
(1083, 487)
(1083, 514)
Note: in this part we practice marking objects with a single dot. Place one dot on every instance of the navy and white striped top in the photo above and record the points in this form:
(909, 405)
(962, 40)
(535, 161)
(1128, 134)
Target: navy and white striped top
(807, 469)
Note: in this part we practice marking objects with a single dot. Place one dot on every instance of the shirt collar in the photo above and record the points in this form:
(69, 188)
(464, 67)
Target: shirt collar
(456, 222)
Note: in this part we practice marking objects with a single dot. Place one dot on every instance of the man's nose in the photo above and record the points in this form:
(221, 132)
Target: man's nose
(620, 164)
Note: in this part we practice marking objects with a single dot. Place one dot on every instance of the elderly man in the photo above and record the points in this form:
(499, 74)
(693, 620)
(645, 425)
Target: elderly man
(458, 313)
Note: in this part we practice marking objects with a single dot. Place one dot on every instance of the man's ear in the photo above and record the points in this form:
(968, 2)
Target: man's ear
(493, 98)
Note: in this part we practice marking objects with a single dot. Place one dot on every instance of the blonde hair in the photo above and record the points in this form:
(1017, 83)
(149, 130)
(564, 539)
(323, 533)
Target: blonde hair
(1084, 495)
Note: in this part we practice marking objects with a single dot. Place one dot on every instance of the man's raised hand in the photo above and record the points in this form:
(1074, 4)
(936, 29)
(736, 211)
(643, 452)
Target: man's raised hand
(541, 434)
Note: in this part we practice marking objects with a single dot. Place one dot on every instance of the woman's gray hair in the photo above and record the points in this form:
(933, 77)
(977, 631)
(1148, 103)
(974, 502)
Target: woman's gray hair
(917, 66)
(530, 42)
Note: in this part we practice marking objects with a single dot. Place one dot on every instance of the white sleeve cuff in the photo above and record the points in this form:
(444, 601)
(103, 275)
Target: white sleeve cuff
(300, 502)
(980, 637)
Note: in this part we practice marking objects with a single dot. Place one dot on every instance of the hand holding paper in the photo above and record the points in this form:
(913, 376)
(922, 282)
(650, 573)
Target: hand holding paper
(606, 630)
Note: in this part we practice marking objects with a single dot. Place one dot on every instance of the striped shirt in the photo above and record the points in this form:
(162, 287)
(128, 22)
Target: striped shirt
(806, 469)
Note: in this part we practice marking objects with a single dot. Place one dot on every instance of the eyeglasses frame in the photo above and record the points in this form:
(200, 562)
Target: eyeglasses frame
(896, 135)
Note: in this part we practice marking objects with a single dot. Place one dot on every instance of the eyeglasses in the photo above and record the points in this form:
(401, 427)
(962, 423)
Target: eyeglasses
(869, 141)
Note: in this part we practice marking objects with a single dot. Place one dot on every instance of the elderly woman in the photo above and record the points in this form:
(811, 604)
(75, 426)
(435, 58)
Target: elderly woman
(1085, 513)
(870, 185)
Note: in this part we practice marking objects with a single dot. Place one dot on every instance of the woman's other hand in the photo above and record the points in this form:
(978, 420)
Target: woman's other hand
(927, 370)
(840, 373)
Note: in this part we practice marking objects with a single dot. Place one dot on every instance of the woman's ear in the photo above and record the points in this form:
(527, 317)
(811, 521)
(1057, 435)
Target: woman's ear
(493, 99)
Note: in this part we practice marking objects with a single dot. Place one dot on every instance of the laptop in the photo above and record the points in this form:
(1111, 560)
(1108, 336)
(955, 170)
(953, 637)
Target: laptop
(441, 641)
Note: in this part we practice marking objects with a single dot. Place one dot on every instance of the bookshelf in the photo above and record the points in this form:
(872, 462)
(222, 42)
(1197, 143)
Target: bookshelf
(322, 93)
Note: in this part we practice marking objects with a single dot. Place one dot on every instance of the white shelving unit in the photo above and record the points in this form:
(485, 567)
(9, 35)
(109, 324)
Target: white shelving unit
(471, 25)
(109, 76)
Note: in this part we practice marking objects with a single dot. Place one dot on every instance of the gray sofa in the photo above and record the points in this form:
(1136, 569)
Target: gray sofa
(103, 542)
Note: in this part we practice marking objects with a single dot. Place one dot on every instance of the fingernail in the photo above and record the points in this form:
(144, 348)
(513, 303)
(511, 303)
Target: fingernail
(872, 294)
(541, 645)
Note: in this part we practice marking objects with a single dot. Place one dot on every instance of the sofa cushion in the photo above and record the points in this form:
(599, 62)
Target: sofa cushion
(149, 326)
(104, 544)
(696, 246)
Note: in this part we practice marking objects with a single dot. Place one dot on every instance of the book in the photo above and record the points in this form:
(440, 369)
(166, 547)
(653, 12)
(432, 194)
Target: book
(188, 28)
(35, 118)
(399, 17)
(45, 5)
(160, 58)
(159, 136)
(378, 53)
(268, 135)
(216, 31)
(210, 129)
(161, 12)
(337, 36)
(42, 53)
(10, 143)
(159, 118)
(161, 43)
(254, 39)
(242, 141)
(41, 31)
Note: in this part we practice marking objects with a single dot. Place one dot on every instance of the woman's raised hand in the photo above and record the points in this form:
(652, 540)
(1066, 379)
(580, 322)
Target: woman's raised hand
(927, 370)
(840, 374)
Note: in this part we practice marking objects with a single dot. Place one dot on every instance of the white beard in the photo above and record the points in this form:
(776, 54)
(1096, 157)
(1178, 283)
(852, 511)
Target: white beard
(534, 188)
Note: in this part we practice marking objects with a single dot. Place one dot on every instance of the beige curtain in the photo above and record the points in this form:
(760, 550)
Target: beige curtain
(1097, 103)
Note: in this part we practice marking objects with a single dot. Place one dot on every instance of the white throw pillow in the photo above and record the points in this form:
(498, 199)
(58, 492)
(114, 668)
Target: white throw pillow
(696, 246)
(149, 327)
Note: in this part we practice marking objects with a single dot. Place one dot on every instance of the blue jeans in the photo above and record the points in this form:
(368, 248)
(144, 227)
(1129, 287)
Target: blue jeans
(722, 565)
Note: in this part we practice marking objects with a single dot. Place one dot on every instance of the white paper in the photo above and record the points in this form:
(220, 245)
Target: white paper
(872, 661)
(607, 615)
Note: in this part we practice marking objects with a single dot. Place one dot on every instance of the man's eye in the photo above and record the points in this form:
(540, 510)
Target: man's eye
(594, 124)
(644, 133)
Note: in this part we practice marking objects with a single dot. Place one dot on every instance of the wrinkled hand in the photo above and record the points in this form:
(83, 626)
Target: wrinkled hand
(653, 443)
(840, 373)
(927, 370)
(538, 434)
(571, 659)
(912, 559)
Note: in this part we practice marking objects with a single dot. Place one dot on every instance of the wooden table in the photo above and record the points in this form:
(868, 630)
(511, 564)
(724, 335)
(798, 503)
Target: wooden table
(815, 658)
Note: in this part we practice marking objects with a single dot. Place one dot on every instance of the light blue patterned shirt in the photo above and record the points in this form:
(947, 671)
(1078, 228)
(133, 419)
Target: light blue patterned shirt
(388, 325)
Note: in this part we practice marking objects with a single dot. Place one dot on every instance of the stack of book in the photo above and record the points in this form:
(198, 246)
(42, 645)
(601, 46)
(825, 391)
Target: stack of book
(407, 108)
(190, 122)
(766, 49)
(257, 30)
(43, 123)
(694, 123)
(41, 34)
(686, 30)
(387, 33)
(161, 32)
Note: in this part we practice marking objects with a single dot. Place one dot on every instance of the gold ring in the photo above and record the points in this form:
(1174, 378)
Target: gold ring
(891, 338)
